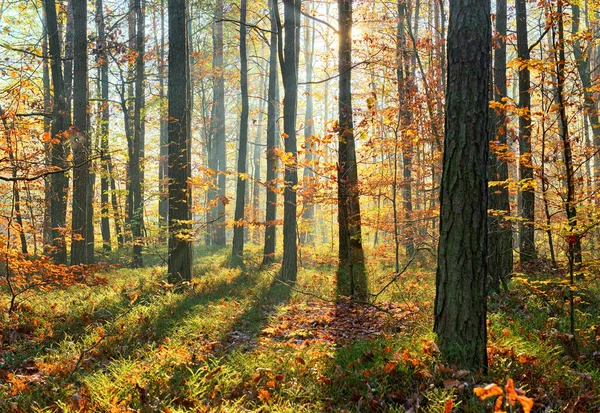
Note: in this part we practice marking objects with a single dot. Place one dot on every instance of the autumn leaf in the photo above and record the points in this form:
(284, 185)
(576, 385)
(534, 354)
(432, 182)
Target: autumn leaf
(389, 367)
(448, 407)
(490, 390)
(264, 394)
(450, 384)
(513, 396)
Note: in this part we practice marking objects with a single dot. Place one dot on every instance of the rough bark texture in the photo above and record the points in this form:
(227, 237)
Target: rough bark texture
(289, 70)
(136, 162)
(240, 200)
(272, 116)
(180, 237)
(500, 256)
(80, 139)
(404, 85)
(351, 274)
(527, 251)
(460, 304)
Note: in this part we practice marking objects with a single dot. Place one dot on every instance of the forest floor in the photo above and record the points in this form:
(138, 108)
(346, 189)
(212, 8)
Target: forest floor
(239, 340)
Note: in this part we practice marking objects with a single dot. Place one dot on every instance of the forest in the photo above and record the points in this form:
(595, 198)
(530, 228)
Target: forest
(300, 206)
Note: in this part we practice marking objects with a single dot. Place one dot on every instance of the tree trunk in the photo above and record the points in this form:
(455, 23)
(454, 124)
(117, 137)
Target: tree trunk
(135, 163)
(69, 62)
(351, 272)
(500, 256)
(103, 128)
(527, 251)
(180, 236)
(81, 139)
(461, 279)
(289, 70)
(240, 200)
(59, 181)
(272, 132)
(404, 124)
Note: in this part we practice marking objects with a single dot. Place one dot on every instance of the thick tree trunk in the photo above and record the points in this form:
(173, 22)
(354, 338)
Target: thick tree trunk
(404, 123)
(180, 236)
(81, 138)
(351, 272)
(47, 226)
(69, 62)
(272, 117)
(527, 250)
(135, 163)
(240, 200)
(289, 70)
(59, 181)
(500, 256)
(461, 279)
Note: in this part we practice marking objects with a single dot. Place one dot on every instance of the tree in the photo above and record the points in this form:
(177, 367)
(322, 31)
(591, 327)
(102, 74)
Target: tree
(272, 132)
(351, 255)
(289, 70)
(500, 254)
(81, 139)
(461, 278)
(180, 196)
(103, 126)
(218, 140)
(137, 154)
(59, 181)
(240, 200)
(527, 251)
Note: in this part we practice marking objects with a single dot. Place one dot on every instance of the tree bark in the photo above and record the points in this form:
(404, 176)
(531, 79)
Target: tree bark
(81, 138)
(272, 132)
(289, 70)
(461, 279)
(240, 200)
(136, 162)
(180, 236)
(351, 273)
(59, 181)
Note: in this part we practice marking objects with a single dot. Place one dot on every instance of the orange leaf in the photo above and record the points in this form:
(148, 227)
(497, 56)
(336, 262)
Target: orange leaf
(498, 405)
(448, 407)
(300, 360)
(264, 394)
(490, 390)
(389, 367)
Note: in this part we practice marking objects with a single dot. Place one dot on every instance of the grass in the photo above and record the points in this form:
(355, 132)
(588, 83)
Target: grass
(238, 340)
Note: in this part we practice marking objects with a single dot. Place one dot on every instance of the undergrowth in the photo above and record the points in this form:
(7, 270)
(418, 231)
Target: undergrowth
(239, 340)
